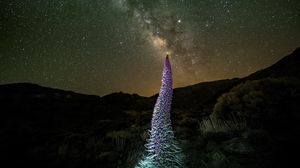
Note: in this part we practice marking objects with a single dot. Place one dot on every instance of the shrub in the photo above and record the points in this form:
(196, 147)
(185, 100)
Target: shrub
(260, 103)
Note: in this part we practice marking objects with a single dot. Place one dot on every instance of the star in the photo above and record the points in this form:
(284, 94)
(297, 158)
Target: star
(99, 47)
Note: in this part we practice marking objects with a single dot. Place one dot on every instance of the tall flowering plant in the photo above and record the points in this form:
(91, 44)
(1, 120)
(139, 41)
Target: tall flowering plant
(162, 148)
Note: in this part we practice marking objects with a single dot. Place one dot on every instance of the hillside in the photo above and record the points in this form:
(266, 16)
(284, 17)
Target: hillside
(45, 127)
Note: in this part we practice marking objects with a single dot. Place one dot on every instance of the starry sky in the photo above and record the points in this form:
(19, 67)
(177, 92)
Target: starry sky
(103, 46)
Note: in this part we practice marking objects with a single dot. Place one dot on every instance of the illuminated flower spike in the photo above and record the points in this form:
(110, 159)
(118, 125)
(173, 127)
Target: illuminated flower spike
(162, 147)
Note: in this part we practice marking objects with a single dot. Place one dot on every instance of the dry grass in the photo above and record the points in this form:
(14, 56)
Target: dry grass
(212, 124)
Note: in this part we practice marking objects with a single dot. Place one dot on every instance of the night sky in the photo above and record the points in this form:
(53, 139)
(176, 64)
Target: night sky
(104, 46)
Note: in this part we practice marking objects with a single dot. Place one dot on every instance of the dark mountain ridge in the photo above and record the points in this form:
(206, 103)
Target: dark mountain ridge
(57, 128)
(206, 92)
(24, 99)
(184, 97)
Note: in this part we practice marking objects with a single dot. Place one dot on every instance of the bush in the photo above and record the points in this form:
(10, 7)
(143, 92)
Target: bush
(260, 103)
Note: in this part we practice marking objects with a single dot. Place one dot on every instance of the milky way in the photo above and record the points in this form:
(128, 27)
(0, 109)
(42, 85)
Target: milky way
(99, 47)
(162, 25)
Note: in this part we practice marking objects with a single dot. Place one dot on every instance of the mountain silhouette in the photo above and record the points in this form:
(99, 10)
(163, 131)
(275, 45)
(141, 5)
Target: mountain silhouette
(46, 127)
(286, 67)
(205, 93)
